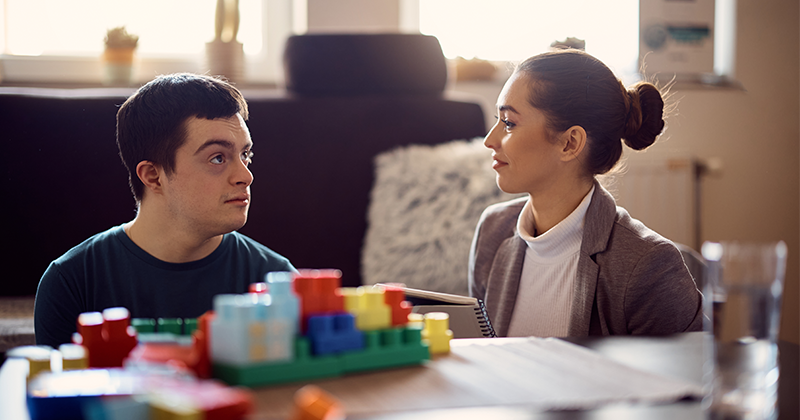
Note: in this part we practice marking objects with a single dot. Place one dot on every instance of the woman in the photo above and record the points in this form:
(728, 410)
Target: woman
(565, 261)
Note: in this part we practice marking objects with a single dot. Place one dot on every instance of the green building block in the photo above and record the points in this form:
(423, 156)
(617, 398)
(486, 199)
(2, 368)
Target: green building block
(144, 325)
(383, 349)
(304, 367)
(386, 349)
(170, 325)
(189, 325)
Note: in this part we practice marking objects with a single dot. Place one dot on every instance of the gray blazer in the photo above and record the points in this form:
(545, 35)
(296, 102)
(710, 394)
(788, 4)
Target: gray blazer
(631, 280)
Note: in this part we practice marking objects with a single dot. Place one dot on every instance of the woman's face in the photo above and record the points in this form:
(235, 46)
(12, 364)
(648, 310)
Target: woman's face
(525, 156)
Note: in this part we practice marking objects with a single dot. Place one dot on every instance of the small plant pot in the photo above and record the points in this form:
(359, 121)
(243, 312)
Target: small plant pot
(118, 66)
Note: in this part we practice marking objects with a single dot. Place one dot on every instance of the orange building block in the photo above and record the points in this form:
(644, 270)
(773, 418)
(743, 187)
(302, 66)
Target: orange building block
(396, 299)
(313, 403)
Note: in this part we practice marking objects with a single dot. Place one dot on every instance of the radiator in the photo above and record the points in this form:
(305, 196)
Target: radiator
(664, 195)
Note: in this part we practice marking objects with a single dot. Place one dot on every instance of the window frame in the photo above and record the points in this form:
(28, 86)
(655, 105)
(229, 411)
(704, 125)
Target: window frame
(277, 16)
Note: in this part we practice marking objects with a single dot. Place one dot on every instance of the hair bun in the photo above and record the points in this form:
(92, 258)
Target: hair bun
(645, 116)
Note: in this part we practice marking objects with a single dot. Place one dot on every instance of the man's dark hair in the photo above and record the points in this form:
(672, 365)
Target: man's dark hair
(151, 124)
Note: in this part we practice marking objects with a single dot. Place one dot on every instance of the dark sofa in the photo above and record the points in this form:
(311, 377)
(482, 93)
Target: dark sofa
(348, 98)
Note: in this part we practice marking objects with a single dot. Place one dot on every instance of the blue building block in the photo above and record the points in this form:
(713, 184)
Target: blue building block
(334, 333)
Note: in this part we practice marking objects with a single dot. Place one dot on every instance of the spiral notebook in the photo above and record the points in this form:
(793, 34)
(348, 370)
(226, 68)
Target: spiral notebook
(468, 316)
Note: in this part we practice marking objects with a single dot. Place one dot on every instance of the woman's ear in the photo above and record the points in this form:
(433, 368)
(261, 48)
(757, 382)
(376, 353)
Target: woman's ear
(150, 175)
(575, 142)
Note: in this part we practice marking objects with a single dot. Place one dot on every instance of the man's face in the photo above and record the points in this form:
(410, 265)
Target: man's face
(209, 191)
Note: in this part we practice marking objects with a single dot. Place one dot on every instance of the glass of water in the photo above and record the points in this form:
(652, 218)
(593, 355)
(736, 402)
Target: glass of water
(743, 302)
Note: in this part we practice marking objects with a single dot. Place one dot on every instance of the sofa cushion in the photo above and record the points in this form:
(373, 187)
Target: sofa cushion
(423, 211)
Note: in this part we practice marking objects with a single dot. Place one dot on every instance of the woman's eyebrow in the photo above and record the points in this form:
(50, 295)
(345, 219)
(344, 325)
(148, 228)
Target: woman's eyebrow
(509, 108)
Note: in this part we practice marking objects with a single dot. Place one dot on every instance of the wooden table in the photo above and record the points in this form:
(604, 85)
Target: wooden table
(470, 384)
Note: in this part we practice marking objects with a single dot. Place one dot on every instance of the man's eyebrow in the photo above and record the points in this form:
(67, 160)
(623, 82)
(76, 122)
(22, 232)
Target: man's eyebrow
(224, 143)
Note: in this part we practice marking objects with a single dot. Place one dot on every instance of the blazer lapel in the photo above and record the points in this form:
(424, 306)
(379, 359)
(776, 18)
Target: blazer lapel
(597, 228)
(505, 274)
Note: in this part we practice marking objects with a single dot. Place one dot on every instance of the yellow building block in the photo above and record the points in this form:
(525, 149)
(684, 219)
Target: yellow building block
(437, 332)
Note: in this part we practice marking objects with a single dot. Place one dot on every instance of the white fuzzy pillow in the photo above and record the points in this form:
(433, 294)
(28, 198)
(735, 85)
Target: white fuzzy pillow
(424, 207)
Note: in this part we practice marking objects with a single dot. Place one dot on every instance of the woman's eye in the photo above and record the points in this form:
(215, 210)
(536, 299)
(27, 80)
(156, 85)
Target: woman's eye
(218, 159)
(507, 123)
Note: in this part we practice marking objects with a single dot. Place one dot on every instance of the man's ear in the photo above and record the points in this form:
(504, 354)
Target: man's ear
(150, 174)
(575, 142)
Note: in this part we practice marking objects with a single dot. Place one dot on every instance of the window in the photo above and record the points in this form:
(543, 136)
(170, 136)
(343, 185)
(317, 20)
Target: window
(512, 30)
(39, 36)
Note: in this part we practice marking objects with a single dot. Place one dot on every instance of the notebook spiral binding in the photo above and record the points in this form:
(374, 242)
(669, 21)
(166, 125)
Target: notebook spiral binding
(483, 320)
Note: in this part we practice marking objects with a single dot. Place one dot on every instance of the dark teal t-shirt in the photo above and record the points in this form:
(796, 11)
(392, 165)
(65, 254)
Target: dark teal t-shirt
(109, 270)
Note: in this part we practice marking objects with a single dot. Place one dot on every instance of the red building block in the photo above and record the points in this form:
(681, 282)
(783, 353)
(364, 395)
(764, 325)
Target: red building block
(396, 299)
(318, 291)
(108, 337)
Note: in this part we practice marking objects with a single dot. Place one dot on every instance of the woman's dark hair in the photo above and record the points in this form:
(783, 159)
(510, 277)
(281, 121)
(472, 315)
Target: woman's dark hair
(151, 124)
(573, 88)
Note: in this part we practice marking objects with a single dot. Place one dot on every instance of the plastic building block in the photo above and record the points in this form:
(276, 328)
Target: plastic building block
(170, 325)
(284, 301)
(73, 357)
(318, 291)
(108, 337)
(113, 393)
(313, 403)
(303, 367)
(387, 348)
(193, 356)
(383, 349)
(38, 358)
(144, 325)
(369, 307)
(437, 332)
(246, 329)
(395, 298)
(189, 325)
(258, 288)
(334, 334)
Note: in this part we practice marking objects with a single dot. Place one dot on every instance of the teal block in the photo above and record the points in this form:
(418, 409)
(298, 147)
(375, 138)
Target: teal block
(304, 367)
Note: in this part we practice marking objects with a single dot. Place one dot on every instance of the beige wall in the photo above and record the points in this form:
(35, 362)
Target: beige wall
(756, 133)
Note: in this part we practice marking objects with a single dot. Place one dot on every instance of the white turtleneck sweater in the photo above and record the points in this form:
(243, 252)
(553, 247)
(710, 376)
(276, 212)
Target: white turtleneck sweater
(546, 288)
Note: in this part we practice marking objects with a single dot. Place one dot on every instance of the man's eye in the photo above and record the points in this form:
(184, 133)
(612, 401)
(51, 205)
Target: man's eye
(247, 157)
(218, 159)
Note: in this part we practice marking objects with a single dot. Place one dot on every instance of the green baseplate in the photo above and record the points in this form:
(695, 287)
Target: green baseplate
(382, 349)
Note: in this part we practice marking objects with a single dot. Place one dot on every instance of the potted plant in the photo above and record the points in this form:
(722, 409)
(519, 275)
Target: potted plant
(118, 56)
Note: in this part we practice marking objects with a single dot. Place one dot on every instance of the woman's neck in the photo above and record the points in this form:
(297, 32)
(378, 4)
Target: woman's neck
(554, 204)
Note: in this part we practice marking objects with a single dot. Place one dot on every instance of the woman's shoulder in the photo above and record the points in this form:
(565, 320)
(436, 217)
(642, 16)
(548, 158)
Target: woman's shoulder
(630, 229)
(499, 220)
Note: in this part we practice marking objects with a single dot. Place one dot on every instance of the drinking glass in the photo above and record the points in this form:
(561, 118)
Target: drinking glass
(743, 301)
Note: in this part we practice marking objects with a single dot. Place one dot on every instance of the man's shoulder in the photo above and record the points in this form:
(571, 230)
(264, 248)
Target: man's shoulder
(101, 242)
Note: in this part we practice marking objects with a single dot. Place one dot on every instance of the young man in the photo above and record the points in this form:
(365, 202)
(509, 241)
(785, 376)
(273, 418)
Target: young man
(186, 146)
